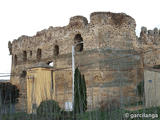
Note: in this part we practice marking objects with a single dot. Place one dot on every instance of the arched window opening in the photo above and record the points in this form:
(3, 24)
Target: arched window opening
(39, 54)
(30, 53)
(23, 74)
(78, 41)
(56, 50)
(15, 60)
(24, 56)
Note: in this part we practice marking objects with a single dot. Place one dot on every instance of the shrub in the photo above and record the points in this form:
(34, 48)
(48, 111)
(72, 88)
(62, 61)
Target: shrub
(8, 93)
(49, 108)
(15, 116)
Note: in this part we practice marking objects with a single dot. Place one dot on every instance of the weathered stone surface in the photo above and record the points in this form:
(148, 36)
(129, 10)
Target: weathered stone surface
(111, 57)
(149, 47)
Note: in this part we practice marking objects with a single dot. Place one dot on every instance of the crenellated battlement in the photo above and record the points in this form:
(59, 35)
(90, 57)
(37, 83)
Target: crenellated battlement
(153, 32)
(149, 37)
(149, 40)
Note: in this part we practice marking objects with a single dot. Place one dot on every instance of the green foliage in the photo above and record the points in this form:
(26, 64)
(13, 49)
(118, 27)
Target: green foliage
(151, 110)
(49, 108)
(84, 93)
(140, 88)
(9, 93)
(80, 96)
(15, 116)
(118, 114)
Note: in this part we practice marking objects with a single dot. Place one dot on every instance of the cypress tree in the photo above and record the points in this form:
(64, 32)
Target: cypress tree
(84, 94)
(80, 96)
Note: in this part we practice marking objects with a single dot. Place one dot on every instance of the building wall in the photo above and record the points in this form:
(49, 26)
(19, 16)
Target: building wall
(106, 76)
(151, 84)
(148, 46)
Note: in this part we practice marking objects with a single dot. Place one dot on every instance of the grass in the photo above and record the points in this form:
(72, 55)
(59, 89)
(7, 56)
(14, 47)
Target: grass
(118, 114)
(150, 112)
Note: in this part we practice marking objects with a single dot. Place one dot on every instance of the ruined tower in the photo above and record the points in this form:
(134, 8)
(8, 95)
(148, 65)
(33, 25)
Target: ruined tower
(108, 57)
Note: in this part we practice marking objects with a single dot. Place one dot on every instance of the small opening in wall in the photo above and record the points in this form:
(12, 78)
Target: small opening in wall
(156, 66)
(78, 41)
(23, 74)
(31, 53)
(39, 54)
(24, 56)
(15, 60)
(56, 50)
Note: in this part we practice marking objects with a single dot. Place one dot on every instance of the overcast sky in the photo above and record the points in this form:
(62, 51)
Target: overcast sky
(26, 17)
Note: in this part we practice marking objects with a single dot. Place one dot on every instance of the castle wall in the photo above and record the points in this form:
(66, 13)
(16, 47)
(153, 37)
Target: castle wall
(149, 42)
(108, 36)
(111, 74)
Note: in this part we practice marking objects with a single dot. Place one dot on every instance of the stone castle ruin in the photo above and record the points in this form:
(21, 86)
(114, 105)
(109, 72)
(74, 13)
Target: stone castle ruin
(111, 57)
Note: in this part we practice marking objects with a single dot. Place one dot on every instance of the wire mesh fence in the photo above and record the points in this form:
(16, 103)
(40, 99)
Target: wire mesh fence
(118, 87)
